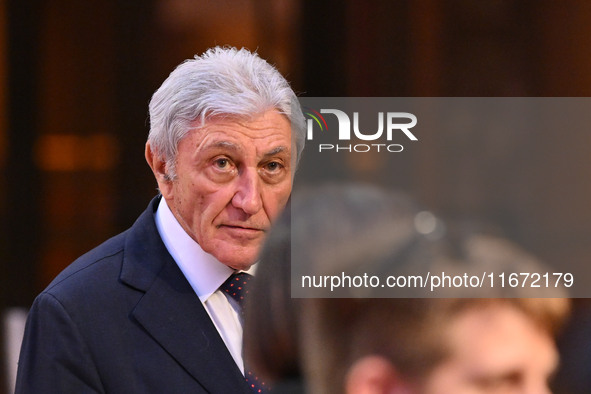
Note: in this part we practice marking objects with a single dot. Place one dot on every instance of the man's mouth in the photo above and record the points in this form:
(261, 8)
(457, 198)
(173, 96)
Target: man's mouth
(241, 227)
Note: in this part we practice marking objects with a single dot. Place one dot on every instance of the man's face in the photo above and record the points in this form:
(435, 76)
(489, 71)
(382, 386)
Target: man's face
(233, 179)
(496, 349)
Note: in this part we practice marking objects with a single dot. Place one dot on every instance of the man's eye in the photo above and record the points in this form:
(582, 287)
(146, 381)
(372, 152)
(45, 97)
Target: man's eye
(273, 166)
(222, 163)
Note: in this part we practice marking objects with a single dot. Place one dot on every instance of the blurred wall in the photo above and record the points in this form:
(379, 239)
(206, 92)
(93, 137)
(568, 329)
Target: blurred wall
(3, 153)
(76, 78)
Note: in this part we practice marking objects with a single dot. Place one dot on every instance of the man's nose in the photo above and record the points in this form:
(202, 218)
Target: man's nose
(248, 193)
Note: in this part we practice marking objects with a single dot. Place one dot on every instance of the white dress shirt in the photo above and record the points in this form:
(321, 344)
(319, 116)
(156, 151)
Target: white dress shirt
(205, 274)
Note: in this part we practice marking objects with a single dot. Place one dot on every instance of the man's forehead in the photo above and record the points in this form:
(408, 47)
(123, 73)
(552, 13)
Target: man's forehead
(271, 116)
(501, 336)
(271, 133)
(228, 145)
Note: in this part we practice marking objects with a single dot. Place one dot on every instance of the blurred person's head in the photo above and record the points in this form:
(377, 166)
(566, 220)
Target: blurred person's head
(222, 151)
(394, 345)
(430, 346)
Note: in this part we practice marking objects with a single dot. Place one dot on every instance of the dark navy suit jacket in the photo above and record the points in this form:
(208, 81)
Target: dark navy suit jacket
(123, 319)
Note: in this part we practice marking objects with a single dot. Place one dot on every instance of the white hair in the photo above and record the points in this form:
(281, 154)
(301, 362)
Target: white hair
(221, 82)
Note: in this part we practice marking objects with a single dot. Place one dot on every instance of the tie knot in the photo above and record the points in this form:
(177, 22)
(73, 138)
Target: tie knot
(236, 286)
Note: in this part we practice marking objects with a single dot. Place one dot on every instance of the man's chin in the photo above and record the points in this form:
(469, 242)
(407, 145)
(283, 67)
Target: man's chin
(241, 267)
(236, 255)
(238, 261)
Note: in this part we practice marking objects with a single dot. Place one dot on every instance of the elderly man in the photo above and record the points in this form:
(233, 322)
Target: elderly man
(146, 312)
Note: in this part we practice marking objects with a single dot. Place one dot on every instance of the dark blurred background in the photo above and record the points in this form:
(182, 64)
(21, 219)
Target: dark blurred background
(76, 78)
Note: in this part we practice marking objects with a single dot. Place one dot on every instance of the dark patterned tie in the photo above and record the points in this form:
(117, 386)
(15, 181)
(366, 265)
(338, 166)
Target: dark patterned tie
(236, 286)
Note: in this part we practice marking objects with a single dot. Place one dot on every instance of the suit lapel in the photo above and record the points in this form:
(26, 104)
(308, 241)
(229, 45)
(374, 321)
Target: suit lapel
(171, 312)
(185, 330)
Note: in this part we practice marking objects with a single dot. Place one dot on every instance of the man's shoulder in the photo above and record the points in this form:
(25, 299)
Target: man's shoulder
(92, 267)
(99, 269)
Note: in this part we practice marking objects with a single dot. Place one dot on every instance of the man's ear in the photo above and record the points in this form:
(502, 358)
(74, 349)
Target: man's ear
(160, 170)
(373, 375)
